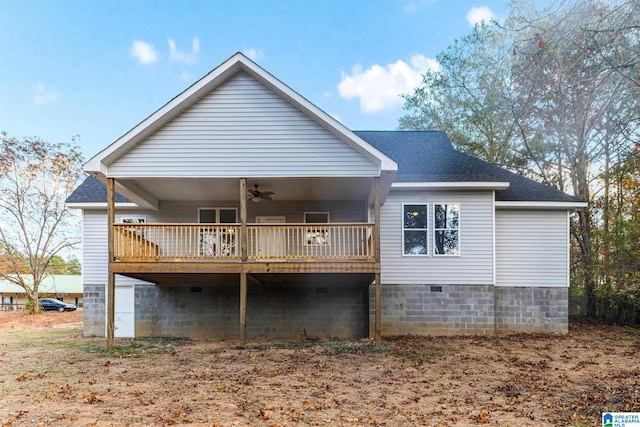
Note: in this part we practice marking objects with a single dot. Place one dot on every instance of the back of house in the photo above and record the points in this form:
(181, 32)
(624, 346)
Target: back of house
(240, 208)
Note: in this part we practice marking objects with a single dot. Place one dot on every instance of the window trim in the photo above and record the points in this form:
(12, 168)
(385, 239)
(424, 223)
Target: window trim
(426, 230)
(434, 229)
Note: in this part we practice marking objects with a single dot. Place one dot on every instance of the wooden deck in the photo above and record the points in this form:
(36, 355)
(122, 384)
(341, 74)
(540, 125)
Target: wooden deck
(220, 243)
(146, 250)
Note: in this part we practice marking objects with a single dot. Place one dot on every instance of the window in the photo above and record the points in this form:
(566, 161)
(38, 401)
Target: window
(317, 235)
(217, 215)
(414, 229)
(137, 220)
(446, 229)
(135, 231)
(216, 241)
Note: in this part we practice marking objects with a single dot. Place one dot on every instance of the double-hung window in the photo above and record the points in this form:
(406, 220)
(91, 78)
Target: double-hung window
(441, 229)
(446, 229)
(414, 229)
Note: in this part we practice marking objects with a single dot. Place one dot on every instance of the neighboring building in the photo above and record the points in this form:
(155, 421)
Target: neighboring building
(67, 288)
(243, 208)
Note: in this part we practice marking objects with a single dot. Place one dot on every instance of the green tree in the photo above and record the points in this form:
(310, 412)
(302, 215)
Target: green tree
(469, 98)
(536, 93)
(35, 225)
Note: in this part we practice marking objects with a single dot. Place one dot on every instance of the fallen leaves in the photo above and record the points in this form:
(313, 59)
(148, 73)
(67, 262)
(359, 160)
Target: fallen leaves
(526, 380)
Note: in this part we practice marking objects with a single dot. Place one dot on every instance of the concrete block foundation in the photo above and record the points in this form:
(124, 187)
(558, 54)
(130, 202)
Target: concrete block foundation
(520, 309)
(334, 309)
(94, 310)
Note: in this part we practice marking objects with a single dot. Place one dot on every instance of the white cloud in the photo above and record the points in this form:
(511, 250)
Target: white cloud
(479, 14)
(379, 87)
(43, 95)
(177, 55)
(143, 52)
(253, 54)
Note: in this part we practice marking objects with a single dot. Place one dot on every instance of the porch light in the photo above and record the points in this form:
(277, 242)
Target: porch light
(256, 199)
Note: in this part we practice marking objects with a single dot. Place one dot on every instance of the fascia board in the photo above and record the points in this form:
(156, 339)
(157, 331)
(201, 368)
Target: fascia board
(539, 205)
(163, 115)
(321, 117)
(100, 205)
(462, 185)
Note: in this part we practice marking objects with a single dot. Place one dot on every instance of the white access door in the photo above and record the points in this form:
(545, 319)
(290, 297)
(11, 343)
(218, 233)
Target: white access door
(124, 312)
(271, 242)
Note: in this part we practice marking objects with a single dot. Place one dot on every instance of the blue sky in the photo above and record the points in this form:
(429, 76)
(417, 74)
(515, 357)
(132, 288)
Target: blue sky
(97, 68)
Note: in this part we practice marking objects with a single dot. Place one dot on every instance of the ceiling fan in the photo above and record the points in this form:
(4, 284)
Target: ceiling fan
(257, 195)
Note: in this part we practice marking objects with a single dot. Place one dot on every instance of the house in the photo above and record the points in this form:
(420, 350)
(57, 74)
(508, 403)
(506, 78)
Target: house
(67, 288)
(239, 208)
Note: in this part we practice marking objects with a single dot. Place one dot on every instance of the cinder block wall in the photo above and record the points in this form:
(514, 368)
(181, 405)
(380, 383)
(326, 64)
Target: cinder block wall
(273, 310)
(94, 310)
(335, 310)
(315, 310)
(532, 309)
(434, 309)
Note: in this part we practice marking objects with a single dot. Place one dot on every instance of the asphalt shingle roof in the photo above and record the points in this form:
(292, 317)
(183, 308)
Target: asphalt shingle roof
(429, 156)
(92, 191)
(422, 156)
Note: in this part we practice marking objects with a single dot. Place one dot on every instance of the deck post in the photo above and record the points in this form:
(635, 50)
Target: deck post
(111, 277)
(243, 257)
(376, 239)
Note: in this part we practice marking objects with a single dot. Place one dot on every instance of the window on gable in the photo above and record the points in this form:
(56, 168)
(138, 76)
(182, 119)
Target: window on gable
(414, 229)
(446, 229)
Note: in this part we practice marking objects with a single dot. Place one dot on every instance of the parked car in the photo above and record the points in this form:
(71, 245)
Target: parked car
(49, 304)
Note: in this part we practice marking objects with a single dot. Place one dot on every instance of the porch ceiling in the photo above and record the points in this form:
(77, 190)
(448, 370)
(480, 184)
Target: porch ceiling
(183, 189)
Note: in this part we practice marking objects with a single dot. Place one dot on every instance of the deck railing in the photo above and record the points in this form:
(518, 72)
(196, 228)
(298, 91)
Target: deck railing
(337, 241)
(211, 242)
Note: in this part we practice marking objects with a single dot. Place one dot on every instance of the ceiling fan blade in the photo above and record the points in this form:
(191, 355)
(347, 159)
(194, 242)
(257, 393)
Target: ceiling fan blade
(265, 197)
(267, 193)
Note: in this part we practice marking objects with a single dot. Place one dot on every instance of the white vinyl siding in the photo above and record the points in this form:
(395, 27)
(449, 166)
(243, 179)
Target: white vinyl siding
(94, 249)
(532, 248)
(475, 263)
(242, 129)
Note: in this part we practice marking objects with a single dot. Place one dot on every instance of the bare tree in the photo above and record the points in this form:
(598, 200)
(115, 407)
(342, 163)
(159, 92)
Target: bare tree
(583, 108)
(35, 225)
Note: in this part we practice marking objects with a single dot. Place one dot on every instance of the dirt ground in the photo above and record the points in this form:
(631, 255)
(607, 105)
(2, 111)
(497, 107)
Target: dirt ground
(51, 375)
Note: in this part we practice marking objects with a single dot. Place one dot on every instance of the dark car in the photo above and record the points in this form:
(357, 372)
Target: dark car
(49, 304)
